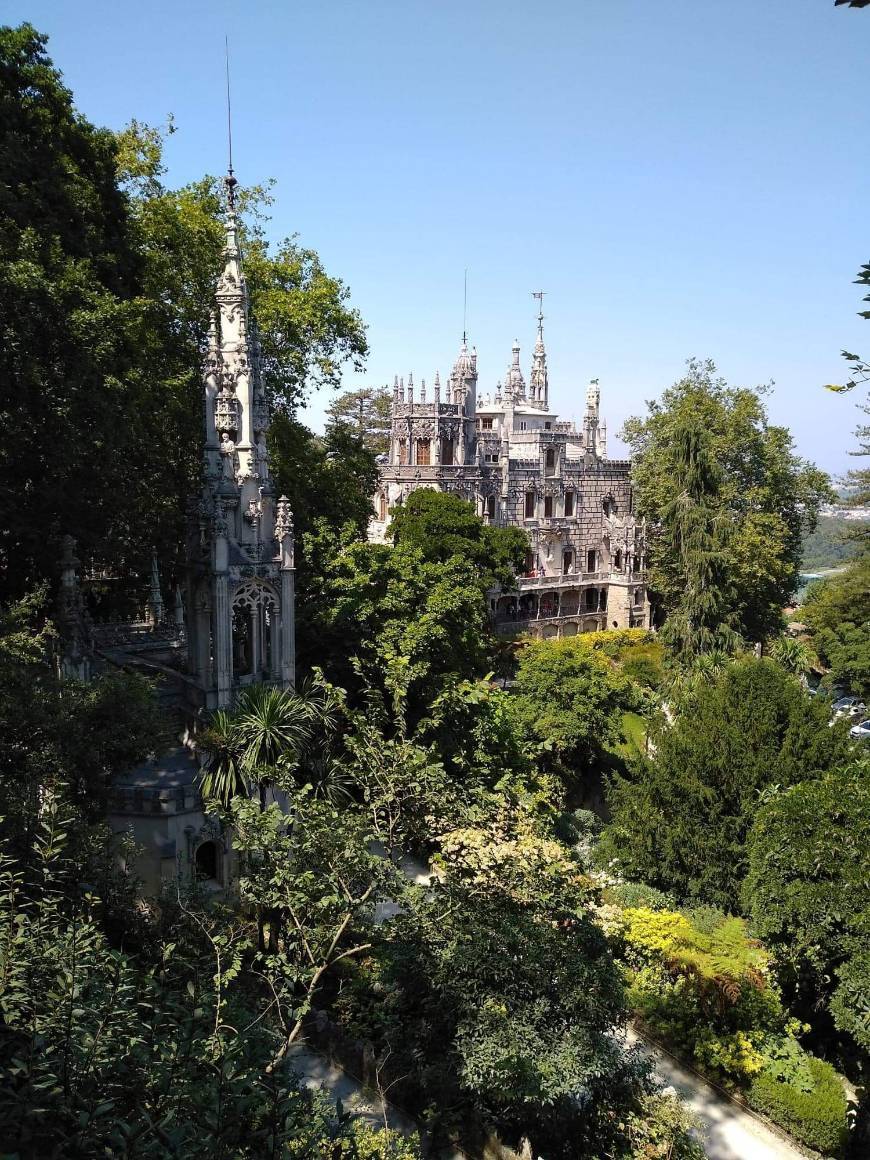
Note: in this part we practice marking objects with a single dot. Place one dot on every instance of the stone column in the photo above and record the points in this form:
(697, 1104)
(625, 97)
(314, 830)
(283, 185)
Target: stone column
(223, 640)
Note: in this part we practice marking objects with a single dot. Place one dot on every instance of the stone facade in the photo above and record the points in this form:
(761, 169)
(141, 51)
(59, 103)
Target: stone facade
(512, 457)
(240, 591)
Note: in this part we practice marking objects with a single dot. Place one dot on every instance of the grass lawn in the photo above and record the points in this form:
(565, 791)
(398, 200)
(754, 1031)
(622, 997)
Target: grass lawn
(634, 728)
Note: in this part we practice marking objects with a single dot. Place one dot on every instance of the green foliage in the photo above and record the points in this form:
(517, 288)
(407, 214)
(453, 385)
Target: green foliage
(837, 610)
(806, 890)
(680, 816)
(830, 545)
(568, 699)
(511, 1034)
(440, 526)
(638, 894)
(715, 959)
(82, 353)
(107, 1052)
(367, 412)
(261, 741)
(694, 536)
(793, 655)
(807, 1100)
(765, 495)
(661, 1129)
(389, 607)
(70, 738)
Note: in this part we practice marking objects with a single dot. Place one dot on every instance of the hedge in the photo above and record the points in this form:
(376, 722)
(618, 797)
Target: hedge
(816, 1117)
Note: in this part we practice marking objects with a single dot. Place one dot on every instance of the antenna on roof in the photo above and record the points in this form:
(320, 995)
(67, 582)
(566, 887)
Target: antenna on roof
(539, 294)
(464, 303)
(229, 181)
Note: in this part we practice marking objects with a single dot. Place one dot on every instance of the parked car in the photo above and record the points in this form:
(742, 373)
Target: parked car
(848, 707)
(860, 732)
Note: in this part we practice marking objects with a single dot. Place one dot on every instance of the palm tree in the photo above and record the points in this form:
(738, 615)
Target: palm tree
(269, 733)
(793, 655)
(223, 776)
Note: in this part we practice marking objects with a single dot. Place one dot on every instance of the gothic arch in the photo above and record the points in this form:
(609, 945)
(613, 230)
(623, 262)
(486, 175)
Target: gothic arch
(255, 622)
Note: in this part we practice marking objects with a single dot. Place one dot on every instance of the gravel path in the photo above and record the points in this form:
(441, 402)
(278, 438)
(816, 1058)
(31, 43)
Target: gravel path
(729, 1132)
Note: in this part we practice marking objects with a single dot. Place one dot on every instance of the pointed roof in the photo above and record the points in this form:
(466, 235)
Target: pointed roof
(514, 383)
(538, 382)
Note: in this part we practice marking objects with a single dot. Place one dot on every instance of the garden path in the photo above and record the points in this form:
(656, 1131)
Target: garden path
(730, 1133)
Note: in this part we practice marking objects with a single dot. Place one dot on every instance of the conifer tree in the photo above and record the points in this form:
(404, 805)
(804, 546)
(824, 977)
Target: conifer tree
(696, 532)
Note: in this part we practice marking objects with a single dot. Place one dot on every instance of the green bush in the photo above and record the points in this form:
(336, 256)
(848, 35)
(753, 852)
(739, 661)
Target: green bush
(634, 894)
(802, 1094)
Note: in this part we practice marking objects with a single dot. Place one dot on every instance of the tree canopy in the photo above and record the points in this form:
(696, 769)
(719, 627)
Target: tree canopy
(441, 526)
(367, 412)
(765, 494)
(680, 816)
(806, 890)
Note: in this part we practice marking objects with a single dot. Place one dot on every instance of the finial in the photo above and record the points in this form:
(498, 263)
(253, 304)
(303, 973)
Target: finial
(422, 390)
(402, 389)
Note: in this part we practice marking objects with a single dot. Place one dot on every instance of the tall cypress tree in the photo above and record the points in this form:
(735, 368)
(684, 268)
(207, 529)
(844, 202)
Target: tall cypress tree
(695, 531)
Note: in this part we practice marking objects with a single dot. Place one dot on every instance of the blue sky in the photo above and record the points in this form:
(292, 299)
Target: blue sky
(686, 177)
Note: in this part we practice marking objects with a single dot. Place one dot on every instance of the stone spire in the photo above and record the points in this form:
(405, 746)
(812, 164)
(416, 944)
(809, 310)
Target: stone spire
(515, 384)
(240, 597)
(538, 382)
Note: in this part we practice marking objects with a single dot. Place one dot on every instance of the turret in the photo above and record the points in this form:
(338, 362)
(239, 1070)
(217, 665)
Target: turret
(538, 384)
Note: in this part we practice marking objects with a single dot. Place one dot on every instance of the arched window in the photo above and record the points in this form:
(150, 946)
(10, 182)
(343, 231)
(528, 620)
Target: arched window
(550, 459)
(255, 630)
(382, 507)
(447, 451)
(423, 452)
(617, 560)
(403, 452)
(207, 862)
(490, 506)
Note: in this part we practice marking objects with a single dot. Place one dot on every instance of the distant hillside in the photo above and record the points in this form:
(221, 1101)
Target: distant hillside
(830, 544)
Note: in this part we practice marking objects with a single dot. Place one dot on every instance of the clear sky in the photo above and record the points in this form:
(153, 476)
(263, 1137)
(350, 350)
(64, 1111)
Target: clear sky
(685, 177)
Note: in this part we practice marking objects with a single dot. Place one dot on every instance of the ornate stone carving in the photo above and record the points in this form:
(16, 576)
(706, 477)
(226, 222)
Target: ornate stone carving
(283, 519)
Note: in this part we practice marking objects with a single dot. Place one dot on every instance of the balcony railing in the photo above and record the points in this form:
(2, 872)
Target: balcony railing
(134, 799)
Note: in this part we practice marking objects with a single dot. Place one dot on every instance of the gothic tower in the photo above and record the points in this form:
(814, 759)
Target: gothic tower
(240, 607)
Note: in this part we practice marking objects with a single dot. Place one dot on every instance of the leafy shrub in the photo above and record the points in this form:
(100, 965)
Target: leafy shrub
(732, 1056)
(370, 1143)
(802, 1094)
(638, 894)
(705, 918)
(643, 670)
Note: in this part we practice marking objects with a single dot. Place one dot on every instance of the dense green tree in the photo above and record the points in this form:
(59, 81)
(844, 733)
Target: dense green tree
(806, 892)
(84, 416)
(837, 610)
(568, 699)
(366, 411)
(67, 738)
(767, 495)
(510, 1038)
(440, 526)
(680, 816)
(149, 1054)
(379, 606)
